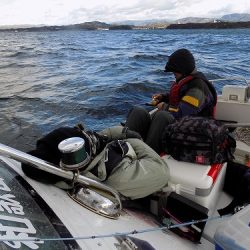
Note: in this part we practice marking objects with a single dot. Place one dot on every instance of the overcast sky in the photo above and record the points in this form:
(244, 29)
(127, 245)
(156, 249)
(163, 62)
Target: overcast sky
(62, 12)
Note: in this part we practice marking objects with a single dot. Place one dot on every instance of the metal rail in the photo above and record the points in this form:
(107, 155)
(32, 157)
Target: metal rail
(50, 168)
(237, 125)
(230, 79)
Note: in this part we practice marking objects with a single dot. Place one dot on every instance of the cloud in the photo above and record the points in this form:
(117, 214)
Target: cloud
(215, 8)
(129, 10)
(77, 11)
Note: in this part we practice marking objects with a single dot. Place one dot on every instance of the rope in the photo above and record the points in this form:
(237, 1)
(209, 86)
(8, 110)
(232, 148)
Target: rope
(101, 236)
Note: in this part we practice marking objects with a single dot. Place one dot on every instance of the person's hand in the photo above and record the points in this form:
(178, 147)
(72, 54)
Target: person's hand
(156, 98)
(162, 106)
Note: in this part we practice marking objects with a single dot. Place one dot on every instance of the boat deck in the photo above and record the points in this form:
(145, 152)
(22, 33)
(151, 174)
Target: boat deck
(81, 222)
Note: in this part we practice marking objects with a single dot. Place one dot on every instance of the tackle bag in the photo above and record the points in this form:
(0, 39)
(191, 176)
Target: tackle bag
(198, 140)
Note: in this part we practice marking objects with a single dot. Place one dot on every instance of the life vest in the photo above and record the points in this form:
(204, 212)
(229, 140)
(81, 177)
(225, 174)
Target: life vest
(174, 94)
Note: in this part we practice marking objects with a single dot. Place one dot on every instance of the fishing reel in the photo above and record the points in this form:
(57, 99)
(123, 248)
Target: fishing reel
(96, 197)
(74, 155)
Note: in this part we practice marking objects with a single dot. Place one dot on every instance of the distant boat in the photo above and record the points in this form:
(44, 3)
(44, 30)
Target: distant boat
(102, 29)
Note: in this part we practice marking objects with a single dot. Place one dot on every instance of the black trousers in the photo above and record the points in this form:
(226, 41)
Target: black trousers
(150, 128)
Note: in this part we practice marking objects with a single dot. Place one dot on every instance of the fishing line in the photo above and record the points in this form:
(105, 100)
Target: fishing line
(133, 232)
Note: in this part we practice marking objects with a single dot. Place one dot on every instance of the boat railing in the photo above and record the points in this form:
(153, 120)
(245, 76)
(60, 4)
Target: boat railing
(50, 168)
(242, 79)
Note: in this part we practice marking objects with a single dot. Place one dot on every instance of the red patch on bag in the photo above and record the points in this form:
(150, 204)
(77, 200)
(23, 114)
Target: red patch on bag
(200, 159)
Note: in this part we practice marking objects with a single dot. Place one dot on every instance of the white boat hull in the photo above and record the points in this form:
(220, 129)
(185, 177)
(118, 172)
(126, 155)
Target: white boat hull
(92, 231)
(81, 222)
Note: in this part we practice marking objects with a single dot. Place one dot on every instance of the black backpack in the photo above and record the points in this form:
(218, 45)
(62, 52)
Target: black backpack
(199, 140)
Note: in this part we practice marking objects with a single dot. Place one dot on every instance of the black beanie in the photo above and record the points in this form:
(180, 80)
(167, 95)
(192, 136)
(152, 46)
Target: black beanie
(181, 61)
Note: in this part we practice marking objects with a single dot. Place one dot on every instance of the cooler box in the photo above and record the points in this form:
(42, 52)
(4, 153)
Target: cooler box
(235, 232)
(199, 183)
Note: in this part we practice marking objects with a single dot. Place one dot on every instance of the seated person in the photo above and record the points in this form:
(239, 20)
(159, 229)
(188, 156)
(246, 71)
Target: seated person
(190, 94)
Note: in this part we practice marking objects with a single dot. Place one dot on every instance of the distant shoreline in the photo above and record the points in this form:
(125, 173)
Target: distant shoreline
(104, 26)
(215, 25)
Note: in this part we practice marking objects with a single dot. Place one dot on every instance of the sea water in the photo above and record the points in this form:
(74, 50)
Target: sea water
(61, 78)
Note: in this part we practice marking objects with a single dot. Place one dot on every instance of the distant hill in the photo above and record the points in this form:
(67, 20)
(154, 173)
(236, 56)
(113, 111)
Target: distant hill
(91, 25)
(215, 25)
(235, 20)
(95, 25)
(121, 27)
(236, 17)
(142, 22)
(194, 20)
(21, 26)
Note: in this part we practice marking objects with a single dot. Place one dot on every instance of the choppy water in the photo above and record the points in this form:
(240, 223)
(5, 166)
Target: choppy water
(52, 79)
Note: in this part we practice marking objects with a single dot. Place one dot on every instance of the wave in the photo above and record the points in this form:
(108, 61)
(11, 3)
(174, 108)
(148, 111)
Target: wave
(17, 98)
(17, 54)
(8, 65)
(138, 93)
(219, 43)
(57, 78)
(149, 57)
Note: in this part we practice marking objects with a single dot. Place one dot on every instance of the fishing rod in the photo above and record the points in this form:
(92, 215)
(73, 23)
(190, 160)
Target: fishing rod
(133, 232)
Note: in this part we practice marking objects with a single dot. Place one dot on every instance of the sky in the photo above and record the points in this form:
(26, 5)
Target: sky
(61, 12)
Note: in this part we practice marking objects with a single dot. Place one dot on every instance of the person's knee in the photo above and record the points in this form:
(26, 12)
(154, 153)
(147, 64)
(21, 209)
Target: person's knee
(139, 120)
(164, 117)
(139, 113)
